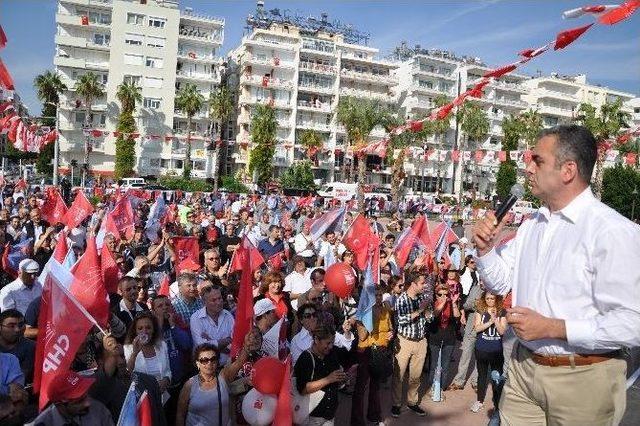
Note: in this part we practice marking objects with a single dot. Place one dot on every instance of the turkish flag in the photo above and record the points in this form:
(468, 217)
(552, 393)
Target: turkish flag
(284, 414)
(455, 155)
(66, 325)
(499, 72)
(110, 271)
(79, 210)
(87, 286)
(621, 13)
(62, 248)
(502, 156)
(357, 239)
(53, 209)
(444, 111)
(3, 38)
(5, 78)
(567, 37)
(442, 234)
(84, 19)
(186, 248)
(164, 286)
(276, 261)
(460, 99)
(416, 126)
(21, 185)
(246, 256)
(409, 238)
(122, 215)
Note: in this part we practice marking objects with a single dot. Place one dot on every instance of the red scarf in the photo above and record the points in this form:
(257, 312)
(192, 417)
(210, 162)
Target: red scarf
(445, 315)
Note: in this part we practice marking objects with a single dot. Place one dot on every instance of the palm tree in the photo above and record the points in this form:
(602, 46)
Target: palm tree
(129, 95)
(512, 129)
(89, 88)
(49, 87)
(440, 129)
(474, 123)
(360, 117)
(189, 101)
(531, 124)
(220, 108)
(311, 140)
(264, 128)
(605, 123)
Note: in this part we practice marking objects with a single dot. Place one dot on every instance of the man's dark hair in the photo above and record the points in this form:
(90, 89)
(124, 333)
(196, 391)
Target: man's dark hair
(316, 272)
(272, 227)
(411, 277)
(11, 313)
(575, 143)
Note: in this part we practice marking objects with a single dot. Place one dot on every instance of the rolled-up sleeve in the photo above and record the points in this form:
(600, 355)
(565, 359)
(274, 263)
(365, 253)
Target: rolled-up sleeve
(496, 268)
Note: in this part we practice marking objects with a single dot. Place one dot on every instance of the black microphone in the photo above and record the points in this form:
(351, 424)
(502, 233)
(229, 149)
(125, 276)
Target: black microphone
(517, 191)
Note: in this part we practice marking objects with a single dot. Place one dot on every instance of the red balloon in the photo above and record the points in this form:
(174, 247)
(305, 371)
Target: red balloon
(340, 279)
(267, 375)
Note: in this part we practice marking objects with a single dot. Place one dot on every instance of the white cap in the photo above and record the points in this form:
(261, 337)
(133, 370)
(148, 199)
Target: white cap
(28, 265)
(134, 273)
(263, 306)
(463, 240)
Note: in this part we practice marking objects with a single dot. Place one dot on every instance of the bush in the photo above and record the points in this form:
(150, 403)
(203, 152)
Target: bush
(618, 184)
(187, 185)
(298, 176)
(232, 184)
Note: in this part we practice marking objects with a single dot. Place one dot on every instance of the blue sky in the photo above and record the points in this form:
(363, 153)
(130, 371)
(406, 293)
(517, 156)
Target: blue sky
(494, 30)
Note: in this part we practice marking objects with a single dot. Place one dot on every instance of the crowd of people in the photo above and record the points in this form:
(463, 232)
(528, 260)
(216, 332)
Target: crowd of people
(175, 340)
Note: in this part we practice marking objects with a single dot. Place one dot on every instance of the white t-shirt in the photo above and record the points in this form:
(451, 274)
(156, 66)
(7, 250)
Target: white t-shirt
(297, 284)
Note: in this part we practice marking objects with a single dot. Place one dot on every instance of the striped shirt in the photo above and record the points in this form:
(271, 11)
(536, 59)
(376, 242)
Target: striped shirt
(412, 329)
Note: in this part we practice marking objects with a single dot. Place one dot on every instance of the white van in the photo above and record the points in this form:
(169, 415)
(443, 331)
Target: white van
(339, 190)
(132, 183)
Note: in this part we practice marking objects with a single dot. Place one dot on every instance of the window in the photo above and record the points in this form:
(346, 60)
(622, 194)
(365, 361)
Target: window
(155, 41)
(133, 39)
(156, 22)
(153, 82)
(130, 59)
(104, 78)
(198, 165)
(135, 19)
(154, 62)
(154, 162)
(152, 103)
(178, 164)
(132, 79)
(165, 163)
(80, 117)
(101, 39)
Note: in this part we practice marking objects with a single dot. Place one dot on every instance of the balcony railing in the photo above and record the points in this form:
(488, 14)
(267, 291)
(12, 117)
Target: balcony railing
(321, 68)
(375, 78)
(196, 56)
(196, 76)
(367, 94)
(433, 89)
(266, 81)
(188, 15)
(434, 73)
(271, 62)
(320, 107)
(314, 126)
(315, 88)
(272, 102)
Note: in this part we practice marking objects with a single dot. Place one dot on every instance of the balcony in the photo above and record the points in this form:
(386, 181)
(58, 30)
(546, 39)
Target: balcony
(375, 61)
(261, 81)
(271, 63)
(76, 21)
(107, 4)
(556, 111)
(553, 94)
(200, 37)
(317, 68)
(357, 93)
(326, 52)
(200, 115)
(248, 100)
(314, 107)
(434, 90)
(509, 87)
(368, 77)
(284, 123)
(197, 57)
(513, 103)
(65, 40)
(64, 61)
(313, 125)
(188, 75)
(434, 73)
(269, 43)
(201, 18)
(327, 90)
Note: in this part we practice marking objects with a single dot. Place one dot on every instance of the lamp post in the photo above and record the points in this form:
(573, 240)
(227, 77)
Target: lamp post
(634, 194)
(56, 146)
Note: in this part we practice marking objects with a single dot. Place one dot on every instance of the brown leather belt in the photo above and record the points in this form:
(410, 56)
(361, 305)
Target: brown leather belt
(578, 359)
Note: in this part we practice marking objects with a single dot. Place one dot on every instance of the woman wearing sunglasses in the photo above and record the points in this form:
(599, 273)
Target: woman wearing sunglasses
(204, 399)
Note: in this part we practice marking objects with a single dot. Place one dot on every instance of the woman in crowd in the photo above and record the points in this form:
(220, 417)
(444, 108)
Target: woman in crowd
(368, 343)
(442, 332)
(146, 352)
(319, 369)
(204, 399)
(271, 288)
(490, 325)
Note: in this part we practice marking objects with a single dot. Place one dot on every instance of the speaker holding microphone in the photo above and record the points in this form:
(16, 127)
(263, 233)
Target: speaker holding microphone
(516, 193)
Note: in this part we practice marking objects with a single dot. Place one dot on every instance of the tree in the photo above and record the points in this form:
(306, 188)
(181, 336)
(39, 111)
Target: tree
(531, 124)
(311, 140)
(440, 129)
(298, 176)
(360, 117)
(220, 108)
(49, 87)
(618, 184)
(474, 123)
(507, 175)
(605, 123)
(189, 101)
(129, 95)
(89, 88)
(264, 127)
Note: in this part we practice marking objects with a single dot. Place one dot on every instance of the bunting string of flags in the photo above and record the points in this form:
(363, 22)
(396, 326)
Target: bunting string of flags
(605, 14)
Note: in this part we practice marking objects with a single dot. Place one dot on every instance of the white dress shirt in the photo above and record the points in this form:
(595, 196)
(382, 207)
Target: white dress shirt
(297, 283)
(16, 295)
(579, 264)
(300, 244)
(201, 323)
(303, 341)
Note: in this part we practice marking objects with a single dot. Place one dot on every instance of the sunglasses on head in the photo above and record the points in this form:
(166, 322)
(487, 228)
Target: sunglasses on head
(205, 360)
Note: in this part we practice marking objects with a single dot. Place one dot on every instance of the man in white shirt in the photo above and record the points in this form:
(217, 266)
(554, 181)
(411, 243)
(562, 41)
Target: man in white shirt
(213, 324)
(298, 281)
(328, 254)
(304, 246)
(19, 293)
(573, 272)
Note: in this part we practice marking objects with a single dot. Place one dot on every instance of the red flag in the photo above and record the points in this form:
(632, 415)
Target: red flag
(479, 155)
(79, 210)
(502, 156)
(455, 155)
(418, 233)
(246, 256)
(87, 286)
(5, 78)
(62, 248)
(459, 100)
(3, 38)
(110, 271)
(276, 261)
(164, 286)
(499, 72)
(122, 215)
(284, 414)
(65, 326)
(527, 156)
(186, 248)
(621, 13)
(21, 185)
(444, 111)
(357, 239)
(54, 209)
(84, 20)
(567, 37)
(416, 126)
(532, 53)
(144, 410)
(448, 238)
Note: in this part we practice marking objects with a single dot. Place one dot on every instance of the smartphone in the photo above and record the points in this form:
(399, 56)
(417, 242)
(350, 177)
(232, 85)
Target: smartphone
(144, 338)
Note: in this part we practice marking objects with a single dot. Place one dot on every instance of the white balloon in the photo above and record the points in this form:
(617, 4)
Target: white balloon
(259, 409)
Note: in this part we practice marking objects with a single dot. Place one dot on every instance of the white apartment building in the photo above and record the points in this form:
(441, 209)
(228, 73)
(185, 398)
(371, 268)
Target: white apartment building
(303, 74)
(153, 44)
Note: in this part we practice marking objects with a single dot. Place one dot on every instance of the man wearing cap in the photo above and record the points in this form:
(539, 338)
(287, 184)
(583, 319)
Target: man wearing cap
(71, 404)
(19, 293)
(264, 315)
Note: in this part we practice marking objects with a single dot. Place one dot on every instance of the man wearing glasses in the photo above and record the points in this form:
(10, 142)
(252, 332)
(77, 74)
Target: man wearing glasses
(19, 293)
(12, 341)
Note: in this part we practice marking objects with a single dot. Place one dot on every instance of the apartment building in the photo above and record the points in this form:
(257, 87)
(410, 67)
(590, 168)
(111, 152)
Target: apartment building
(153, 44)
(303, 72)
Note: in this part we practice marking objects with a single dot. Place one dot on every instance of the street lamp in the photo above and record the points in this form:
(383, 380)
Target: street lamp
(56, 147)
(634, 194)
